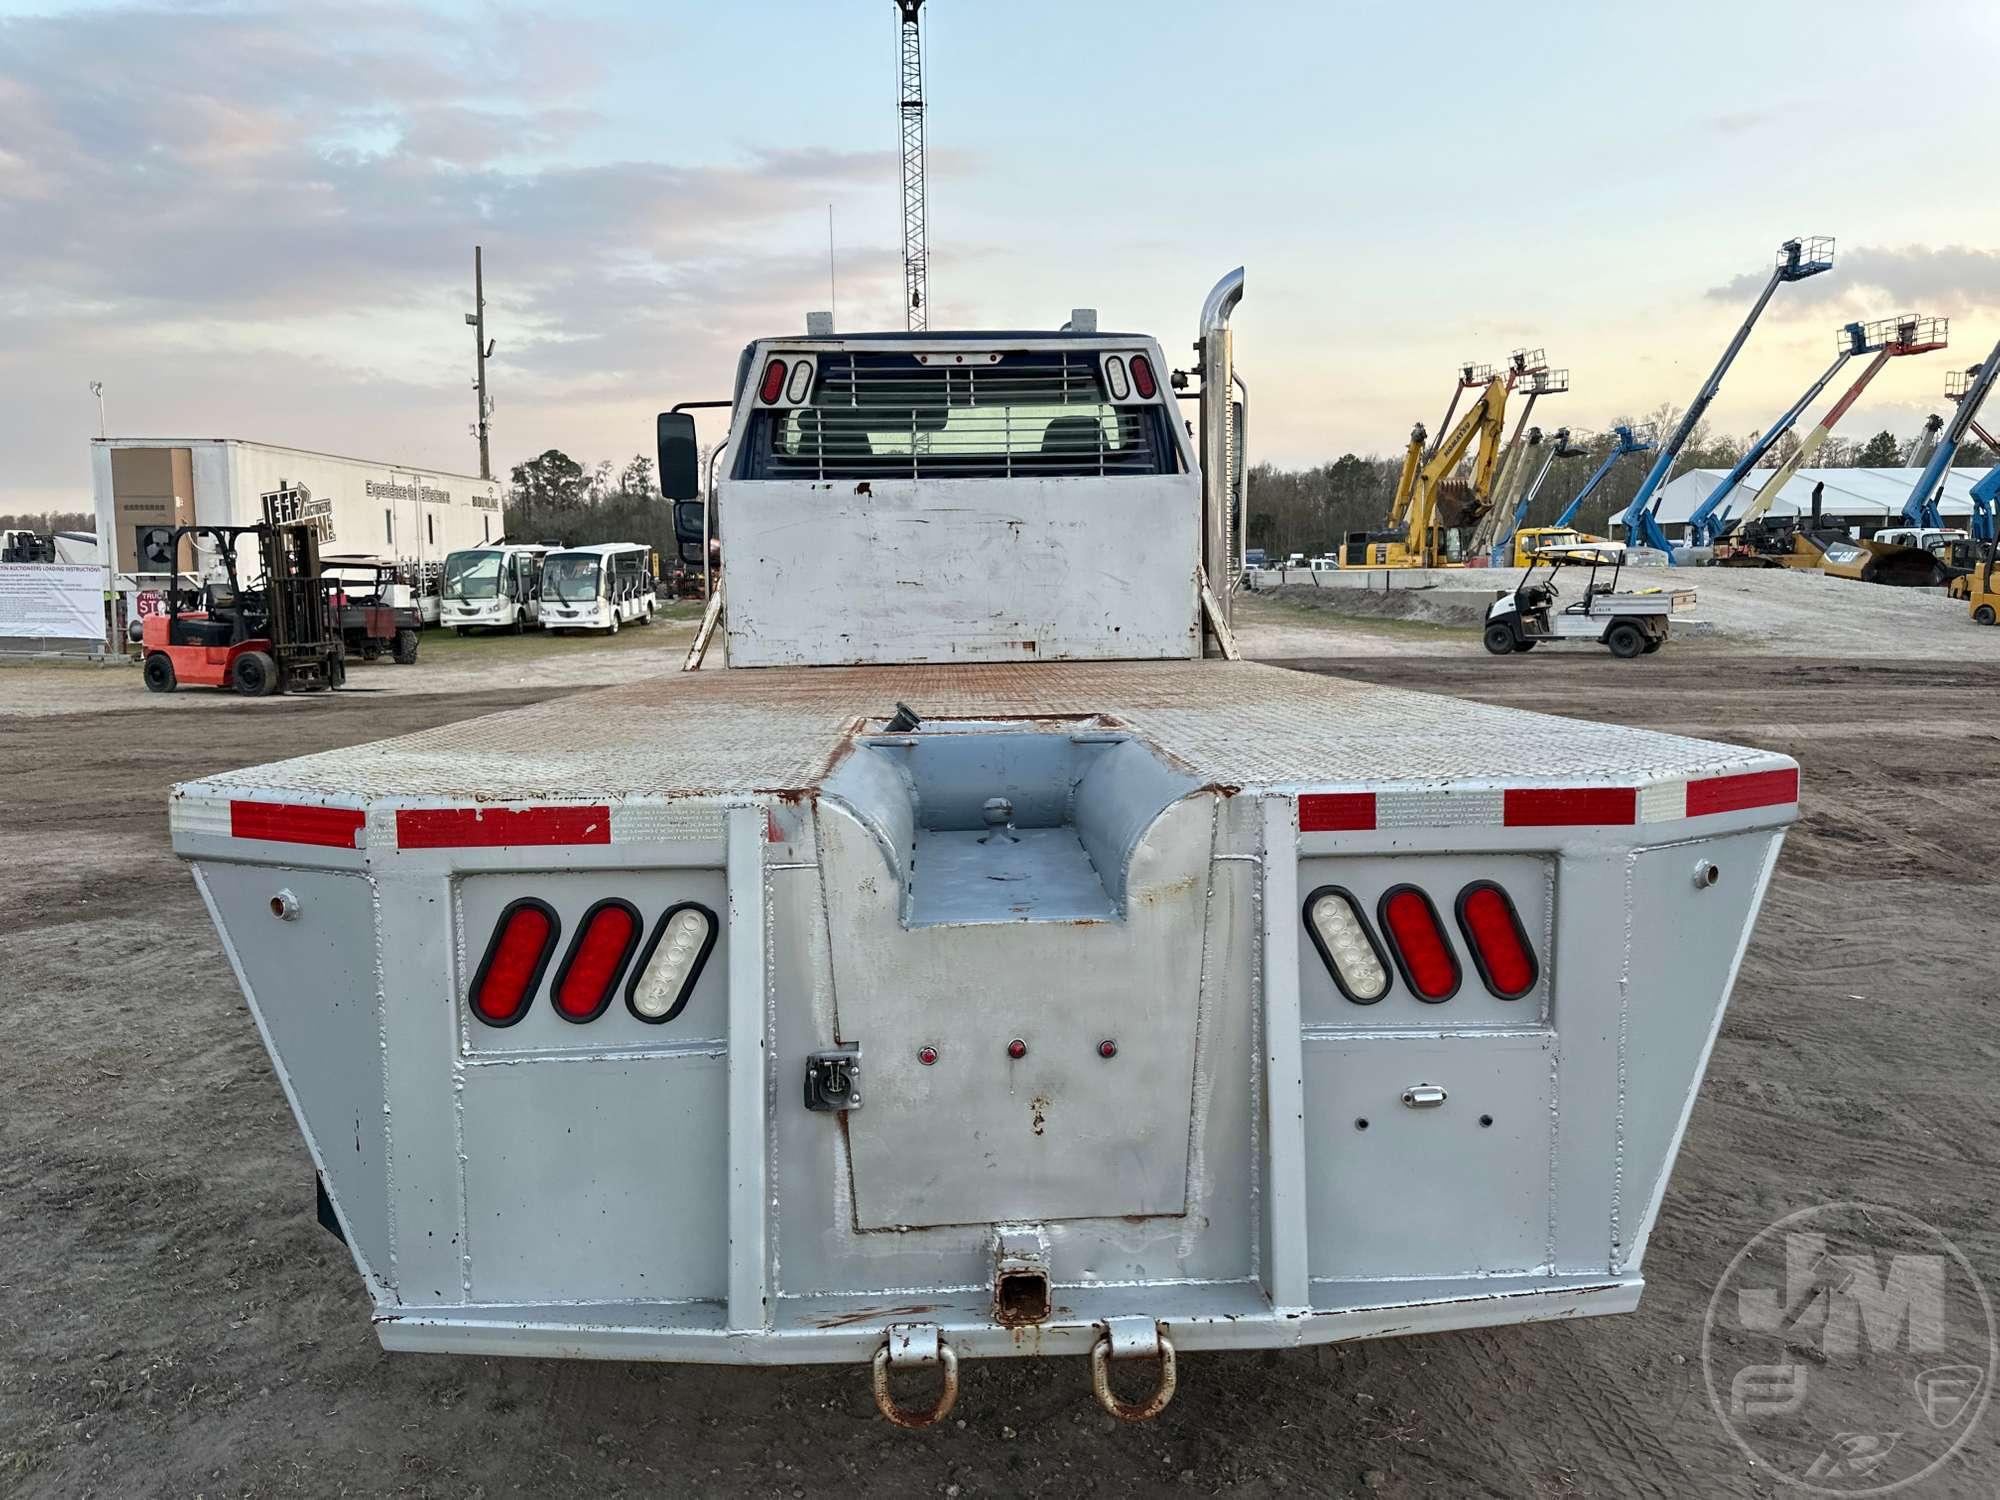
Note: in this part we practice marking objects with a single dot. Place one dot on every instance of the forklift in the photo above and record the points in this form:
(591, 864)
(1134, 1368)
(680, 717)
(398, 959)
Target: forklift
(275, 638)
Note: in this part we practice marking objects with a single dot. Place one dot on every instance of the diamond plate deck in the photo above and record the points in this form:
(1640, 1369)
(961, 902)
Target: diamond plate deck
(723, 733)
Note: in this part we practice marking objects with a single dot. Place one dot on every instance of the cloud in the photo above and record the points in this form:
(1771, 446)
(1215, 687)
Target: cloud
(1872, 281)
(211, 204)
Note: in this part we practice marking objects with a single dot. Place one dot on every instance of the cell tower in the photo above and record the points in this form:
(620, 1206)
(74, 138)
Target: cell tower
(916, 272)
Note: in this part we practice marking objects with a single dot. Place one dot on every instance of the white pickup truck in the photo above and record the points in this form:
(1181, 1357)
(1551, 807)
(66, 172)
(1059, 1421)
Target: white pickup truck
(986, 963)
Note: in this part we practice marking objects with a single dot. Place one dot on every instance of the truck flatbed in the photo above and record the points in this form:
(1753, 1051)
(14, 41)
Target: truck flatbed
(727, 734)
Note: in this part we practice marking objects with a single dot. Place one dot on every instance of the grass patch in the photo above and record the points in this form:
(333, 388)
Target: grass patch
(443, 643)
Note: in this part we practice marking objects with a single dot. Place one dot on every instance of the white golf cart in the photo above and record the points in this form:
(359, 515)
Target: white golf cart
(1633, 623)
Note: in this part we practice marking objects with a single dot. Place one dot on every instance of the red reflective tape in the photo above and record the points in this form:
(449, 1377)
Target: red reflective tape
(1719, 794)
(1570, 806)
(296, 823)
(1336, 812)
(496, 827)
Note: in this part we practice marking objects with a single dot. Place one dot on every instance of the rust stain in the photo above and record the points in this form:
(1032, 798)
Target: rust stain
(864, 488)
(869, 1314)
(1038, 1112)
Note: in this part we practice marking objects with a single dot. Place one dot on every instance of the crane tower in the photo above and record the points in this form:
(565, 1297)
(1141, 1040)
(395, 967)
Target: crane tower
(916, 273)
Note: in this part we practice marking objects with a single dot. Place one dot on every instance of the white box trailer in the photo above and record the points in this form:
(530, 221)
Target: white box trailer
(411, 514)
(915, 1010)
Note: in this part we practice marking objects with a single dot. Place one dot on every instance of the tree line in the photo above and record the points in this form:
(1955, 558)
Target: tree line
(553, 498)
(1311, 510)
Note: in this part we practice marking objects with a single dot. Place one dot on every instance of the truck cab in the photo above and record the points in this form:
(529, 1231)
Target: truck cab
(1073, 532)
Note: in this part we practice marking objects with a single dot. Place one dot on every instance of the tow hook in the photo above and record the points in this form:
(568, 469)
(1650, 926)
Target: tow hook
(911, 1344)
(1132, 1338)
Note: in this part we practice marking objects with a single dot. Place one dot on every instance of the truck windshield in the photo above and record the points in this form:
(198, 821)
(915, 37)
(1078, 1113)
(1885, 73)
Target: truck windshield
(472, 575)
(887, 416)
(572, 577)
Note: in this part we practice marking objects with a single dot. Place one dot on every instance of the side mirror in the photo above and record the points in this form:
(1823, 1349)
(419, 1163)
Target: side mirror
(680, 456)
(687, 525)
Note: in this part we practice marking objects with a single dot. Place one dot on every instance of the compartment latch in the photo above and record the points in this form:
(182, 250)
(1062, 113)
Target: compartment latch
(833, 1079)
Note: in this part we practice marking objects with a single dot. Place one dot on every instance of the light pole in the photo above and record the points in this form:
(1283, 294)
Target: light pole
(97, 390)
(482, 350)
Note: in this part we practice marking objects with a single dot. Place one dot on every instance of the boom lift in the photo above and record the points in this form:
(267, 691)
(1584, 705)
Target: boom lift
(1514, 462)
(1889, 338)
(1927, 440)
(1529, 539)
(972, 968)
(1797, 259)
(1921, 509)
(1957, 386)
(1704, 522)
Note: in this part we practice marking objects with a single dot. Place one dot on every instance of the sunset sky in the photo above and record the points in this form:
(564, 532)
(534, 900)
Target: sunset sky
(254, 221)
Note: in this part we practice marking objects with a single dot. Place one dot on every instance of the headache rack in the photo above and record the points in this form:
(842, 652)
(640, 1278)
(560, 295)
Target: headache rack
(971, 415)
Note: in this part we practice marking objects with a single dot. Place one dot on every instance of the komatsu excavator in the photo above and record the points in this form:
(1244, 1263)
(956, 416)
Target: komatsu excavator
(1427, 504)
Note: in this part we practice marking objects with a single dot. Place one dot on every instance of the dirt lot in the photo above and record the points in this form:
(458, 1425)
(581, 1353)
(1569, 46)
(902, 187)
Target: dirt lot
(177, 1324)
(1774, 612)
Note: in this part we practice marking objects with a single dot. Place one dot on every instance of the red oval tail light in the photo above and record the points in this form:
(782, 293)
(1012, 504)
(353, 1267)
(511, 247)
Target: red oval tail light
(505, 983)
(1417, 939)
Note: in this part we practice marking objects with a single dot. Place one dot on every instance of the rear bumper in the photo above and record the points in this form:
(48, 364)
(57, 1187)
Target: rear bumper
(843, 1330)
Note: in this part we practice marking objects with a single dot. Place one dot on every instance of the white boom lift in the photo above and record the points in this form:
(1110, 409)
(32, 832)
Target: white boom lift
(984, 963)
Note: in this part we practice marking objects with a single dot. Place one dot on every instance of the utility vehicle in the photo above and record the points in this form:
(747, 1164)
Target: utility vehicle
(376, 612)
(986, 962)
(1632, 622)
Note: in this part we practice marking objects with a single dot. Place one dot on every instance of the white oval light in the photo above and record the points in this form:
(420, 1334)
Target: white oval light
(1114, 376)
(662, 986)
(800, 384)
(1346, 942)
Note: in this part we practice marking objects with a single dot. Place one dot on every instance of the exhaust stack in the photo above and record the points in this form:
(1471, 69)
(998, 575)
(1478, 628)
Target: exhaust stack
(1221, 458)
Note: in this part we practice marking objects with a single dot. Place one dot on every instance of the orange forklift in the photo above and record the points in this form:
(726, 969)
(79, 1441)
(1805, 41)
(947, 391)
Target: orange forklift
(272, 638)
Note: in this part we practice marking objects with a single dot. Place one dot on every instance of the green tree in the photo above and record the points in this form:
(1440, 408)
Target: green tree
(1882, 451)
(635, 480)
(553, 482)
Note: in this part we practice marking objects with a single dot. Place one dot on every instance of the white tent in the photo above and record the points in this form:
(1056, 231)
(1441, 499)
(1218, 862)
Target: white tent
(1870, 496)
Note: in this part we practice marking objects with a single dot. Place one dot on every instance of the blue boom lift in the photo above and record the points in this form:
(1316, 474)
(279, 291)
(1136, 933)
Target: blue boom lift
(1703, 524)
(1921, 509)
(1797, 259)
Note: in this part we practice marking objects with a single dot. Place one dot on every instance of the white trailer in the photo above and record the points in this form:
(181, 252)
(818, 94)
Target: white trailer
(408, 514)
(919, 999)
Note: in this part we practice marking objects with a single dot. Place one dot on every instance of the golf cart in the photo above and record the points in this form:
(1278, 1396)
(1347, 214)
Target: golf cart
(375, 611)
(1631, 624)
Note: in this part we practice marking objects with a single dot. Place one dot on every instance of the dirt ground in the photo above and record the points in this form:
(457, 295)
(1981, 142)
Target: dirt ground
(173, 1321)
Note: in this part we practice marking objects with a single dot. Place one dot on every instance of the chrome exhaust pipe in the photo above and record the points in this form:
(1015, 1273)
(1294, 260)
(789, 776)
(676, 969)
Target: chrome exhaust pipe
(1221, 464)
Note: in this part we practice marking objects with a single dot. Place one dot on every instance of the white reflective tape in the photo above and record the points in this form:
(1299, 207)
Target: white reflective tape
(207, 816)
(1481, 807)
(642, 824)
(1663, 803)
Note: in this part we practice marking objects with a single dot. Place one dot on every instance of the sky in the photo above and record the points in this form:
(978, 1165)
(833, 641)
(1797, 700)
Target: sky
(257, 221)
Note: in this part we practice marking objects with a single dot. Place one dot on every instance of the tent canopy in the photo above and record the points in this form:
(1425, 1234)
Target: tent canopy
(1853, 494)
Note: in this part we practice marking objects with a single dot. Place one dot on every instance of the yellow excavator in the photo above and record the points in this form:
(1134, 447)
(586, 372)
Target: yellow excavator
(1428, 502)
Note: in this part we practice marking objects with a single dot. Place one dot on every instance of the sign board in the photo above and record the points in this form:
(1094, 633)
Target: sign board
(297, 503)
(51, 600)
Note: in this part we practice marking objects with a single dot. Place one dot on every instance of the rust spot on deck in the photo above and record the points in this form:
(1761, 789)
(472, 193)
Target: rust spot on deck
(1038, 1112)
